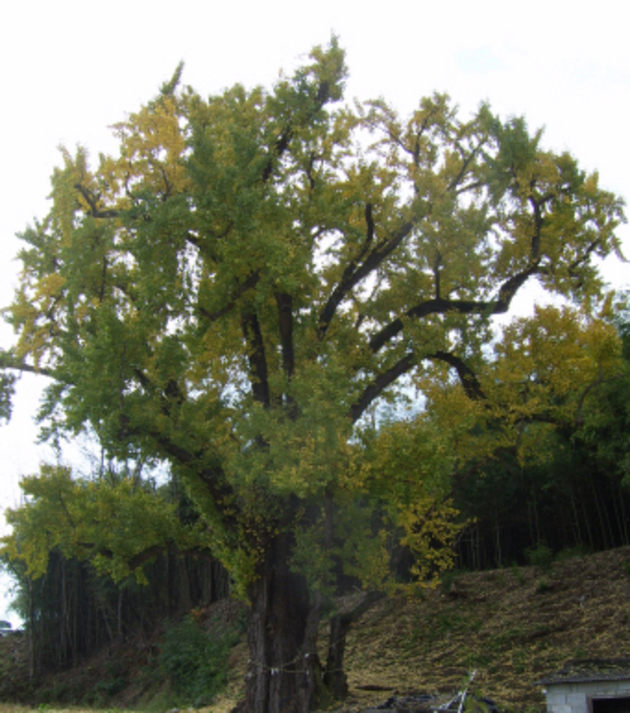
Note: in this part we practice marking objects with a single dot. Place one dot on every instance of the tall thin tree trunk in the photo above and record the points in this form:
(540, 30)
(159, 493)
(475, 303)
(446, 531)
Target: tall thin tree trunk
(576, 521)
(600, 516)
(77, 610)
(63, 643)
(608, 520)
(119, 611)
(498, 555)
(587, 523)
(31, 631)
(622, 524)
(184, 600)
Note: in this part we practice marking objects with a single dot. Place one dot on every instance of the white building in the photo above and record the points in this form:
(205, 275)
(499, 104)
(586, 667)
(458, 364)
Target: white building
(589, 686)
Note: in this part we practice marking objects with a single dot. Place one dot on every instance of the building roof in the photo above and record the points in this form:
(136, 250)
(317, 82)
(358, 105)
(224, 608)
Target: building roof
(590, 670)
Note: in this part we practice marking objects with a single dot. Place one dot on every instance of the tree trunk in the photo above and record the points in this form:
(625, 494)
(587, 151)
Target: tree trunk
(284, 675)
(335, 678)
(30, 631)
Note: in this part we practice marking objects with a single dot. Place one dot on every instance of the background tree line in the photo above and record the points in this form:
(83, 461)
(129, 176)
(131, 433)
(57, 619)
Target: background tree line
(72, 610)
(574, 499)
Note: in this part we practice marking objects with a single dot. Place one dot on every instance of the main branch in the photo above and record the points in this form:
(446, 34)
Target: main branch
(440, 305)
(354, 273)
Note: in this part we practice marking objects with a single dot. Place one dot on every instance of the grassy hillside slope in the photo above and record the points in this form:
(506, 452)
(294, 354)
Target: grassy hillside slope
(512, 625)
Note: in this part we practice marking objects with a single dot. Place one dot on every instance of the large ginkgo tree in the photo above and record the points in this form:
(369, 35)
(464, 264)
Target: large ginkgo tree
(254, 284)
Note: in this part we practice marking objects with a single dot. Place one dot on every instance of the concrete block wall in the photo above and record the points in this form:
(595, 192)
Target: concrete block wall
(573, 697)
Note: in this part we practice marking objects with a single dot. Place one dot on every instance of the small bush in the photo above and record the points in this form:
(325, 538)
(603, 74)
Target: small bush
(573, 552)
(519, 661)
(518, 575)
(540, 556)
(580, 653)
(195, 662)
(449, 578)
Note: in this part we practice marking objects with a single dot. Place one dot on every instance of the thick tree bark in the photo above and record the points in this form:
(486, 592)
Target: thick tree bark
(284, 674)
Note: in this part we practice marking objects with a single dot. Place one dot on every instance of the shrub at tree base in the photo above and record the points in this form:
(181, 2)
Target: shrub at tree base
(195, 662)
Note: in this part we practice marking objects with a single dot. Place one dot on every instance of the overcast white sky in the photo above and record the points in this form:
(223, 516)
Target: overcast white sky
(70, 69)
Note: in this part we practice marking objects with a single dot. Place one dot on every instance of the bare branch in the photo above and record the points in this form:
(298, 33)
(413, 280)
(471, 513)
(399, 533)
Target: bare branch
(441, 306)
(282, 142)
(376, 388)
(353, 275)
(9, 361)
(256, 356)
(579, 418)
(92, 201)
(464, 169)
(467, 376)
(141, 557)
(284, 302)
(240, 290)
